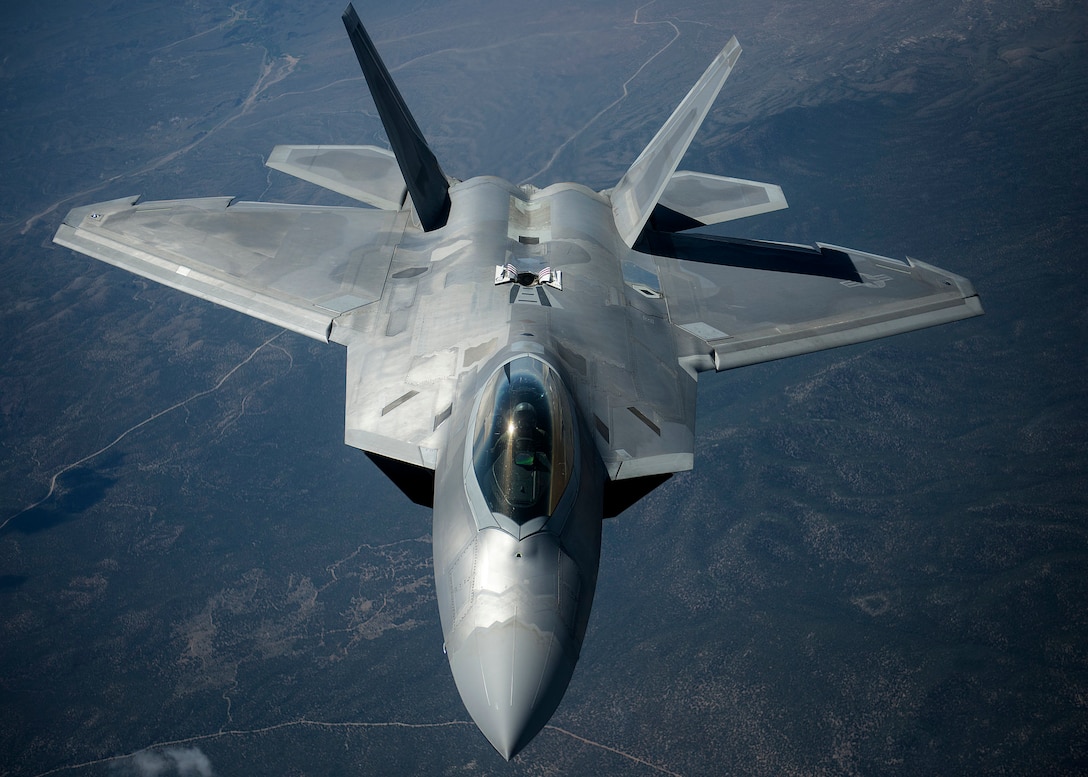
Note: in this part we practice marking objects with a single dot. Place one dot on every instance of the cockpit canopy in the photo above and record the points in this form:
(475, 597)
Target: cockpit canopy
(523, 442)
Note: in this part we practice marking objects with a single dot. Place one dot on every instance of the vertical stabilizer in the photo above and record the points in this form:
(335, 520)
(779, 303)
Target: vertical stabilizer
(634, 197)
(427, 184)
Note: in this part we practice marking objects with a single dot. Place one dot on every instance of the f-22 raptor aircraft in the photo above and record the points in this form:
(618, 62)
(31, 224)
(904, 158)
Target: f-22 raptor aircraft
(523, 360)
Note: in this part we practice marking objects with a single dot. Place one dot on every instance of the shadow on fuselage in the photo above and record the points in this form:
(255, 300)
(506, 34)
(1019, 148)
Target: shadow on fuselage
(417, 483)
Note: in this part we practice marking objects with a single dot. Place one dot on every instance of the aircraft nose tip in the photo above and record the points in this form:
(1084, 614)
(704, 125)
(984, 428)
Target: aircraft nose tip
(506, 735)
(511, 677)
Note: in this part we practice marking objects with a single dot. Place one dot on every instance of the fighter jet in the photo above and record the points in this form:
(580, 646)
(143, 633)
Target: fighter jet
(523, 360)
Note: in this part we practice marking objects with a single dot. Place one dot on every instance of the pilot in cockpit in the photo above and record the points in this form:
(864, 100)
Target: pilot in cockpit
(530, 441)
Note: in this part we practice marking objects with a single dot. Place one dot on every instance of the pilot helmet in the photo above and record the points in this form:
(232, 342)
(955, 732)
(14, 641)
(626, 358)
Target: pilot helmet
(524, 415)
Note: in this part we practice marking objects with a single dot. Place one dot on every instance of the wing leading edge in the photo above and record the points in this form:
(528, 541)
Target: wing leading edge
(295, 266)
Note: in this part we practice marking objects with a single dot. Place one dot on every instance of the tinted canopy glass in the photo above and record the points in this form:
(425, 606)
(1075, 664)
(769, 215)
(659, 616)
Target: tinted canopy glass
(523, 444)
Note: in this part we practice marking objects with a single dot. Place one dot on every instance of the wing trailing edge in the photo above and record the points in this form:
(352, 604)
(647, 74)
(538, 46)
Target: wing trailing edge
(427, 184)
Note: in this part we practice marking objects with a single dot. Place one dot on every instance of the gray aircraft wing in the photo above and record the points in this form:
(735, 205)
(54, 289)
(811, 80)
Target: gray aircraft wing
(743, 315)
(296, 266)
(317, 270)
(308, 269)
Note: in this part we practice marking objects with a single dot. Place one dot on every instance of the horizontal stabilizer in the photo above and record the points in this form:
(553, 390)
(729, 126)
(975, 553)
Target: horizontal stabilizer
(636, 194)
(427, 184)
(365, 173)
(699, 199)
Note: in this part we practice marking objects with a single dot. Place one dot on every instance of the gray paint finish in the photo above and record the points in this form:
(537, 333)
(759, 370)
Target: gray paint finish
(427, 327)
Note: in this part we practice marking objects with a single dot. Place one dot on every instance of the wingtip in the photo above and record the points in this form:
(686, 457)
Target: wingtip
(731, 53)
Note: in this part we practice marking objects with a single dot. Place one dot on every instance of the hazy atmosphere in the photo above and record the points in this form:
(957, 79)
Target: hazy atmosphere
(877, 565)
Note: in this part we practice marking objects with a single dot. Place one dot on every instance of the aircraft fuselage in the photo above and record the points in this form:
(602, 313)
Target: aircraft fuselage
(515, 568)
(518, 499)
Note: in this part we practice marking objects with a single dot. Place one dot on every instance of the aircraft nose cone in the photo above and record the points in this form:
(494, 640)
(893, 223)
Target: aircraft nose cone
(511, 677)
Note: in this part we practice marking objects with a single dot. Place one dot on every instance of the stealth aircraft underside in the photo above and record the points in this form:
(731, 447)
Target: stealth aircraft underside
(523, 359)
